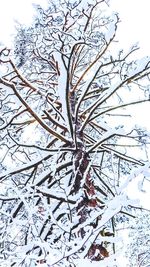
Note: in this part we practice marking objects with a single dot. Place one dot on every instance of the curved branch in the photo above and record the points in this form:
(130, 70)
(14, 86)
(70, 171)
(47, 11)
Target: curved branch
(40, 121)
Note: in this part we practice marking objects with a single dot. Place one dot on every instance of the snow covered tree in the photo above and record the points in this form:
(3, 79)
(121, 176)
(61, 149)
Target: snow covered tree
(66, 148)
(139, 240)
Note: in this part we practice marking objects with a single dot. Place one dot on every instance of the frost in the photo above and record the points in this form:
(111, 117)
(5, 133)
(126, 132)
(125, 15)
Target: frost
(84, 4)
(62, 85)
(140, 65)
(135, 174)
(111, 262)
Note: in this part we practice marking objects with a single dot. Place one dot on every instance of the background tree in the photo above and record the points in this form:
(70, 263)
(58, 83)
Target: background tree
(66, 158)
(139, 239)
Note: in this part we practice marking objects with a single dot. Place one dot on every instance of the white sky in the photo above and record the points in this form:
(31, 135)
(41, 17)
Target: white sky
(135, 24)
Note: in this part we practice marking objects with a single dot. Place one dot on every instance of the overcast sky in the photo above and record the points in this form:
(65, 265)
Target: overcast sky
(135, 24)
